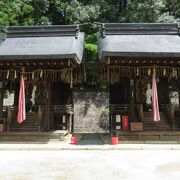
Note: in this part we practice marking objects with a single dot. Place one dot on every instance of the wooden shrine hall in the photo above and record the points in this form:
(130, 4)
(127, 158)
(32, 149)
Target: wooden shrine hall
(49, 58)
(128, 54)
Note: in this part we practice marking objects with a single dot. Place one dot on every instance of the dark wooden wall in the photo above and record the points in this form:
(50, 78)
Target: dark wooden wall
(61, 94)
(119, 92)
(162, 90)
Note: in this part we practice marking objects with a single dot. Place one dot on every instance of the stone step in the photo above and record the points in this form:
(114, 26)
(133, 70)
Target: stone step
(150, 116)
(24, 129)
(155, 125)
(151, 120)
(163, 124)
(32, 136)
(160, 127)
(28, 125)
(90, 139)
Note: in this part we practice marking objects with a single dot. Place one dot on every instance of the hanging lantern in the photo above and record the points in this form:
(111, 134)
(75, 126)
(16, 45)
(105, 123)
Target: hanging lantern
(41, 74)
(15, 74)
(164, 72)
(174, 74)
(109, 60)
(69, 62)
(7, 75)
(157, 79)
(33, 75)
(137, 72)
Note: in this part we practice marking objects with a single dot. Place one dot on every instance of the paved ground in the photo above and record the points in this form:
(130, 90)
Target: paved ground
(90, 139)
(90, 165)
(61, 146)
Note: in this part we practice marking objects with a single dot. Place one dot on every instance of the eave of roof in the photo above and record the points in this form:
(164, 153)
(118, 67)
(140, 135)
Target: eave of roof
(139, 40)
(42, 42)
(42, 31)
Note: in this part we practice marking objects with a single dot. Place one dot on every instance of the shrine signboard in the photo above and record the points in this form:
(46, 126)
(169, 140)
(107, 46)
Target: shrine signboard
(91, 112)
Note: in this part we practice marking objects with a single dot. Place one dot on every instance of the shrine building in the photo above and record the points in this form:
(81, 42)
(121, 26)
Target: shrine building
(58, 81)
(49, 58)
(128, 54)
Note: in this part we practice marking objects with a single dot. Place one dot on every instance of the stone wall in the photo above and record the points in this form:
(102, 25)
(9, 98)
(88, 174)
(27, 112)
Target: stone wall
(91, 112)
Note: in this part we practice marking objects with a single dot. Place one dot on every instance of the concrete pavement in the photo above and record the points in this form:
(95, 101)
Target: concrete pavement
(59, 146)
(90, 165)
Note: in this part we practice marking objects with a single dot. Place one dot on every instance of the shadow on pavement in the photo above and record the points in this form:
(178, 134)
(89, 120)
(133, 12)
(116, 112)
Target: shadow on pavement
(90, 139)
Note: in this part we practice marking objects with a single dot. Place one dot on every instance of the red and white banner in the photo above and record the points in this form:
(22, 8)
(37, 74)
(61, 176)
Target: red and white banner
(21, 104)
(155, 104)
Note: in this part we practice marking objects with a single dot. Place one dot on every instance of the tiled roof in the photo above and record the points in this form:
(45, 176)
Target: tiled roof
(42, 42)
(139, 40)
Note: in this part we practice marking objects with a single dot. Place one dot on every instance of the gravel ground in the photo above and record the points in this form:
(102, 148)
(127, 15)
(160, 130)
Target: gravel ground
(90, 165)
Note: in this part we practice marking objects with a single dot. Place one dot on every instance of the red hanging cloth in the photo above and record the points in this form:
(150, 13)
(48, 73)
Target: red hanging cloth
(155, 104)
(21, 103)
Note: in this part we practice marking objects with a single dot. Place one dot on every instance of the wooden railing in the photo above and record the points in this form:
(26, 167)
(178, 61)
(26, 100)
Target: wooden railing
(164, 107)
(119, 107)
(64, 109)
(171, 115)
(40, 115)
(167, 108)
(10, 114)
(140, 111)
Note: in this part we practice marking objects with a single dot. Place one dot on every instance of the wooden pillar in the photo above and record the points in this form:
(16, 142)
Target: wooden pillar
(39, 118)
(132, 105)
(110, 122)
(9, 119)
(172, 116)
(48, 106)
(1, 101)
(70, 123)
(140, 112)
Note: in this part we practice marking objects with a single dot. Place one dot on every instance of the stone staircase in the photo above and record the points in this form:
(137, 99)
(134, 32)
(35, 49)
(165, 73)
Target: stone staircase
(29, 125)
(32, 137)
(90, 139)
(106, 138)
(162, 125)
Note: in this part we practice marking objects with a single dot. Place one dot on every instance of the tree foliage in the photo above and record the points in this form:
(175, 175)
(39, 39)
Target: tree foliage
(15, 12)
(31, 12)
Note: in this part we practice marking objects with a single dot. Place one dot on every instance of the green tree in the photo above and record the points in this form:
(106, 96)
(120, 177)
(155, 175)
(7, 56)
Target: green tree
(39, 13)
(78, 13)
(173, 8)
(15, 12)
